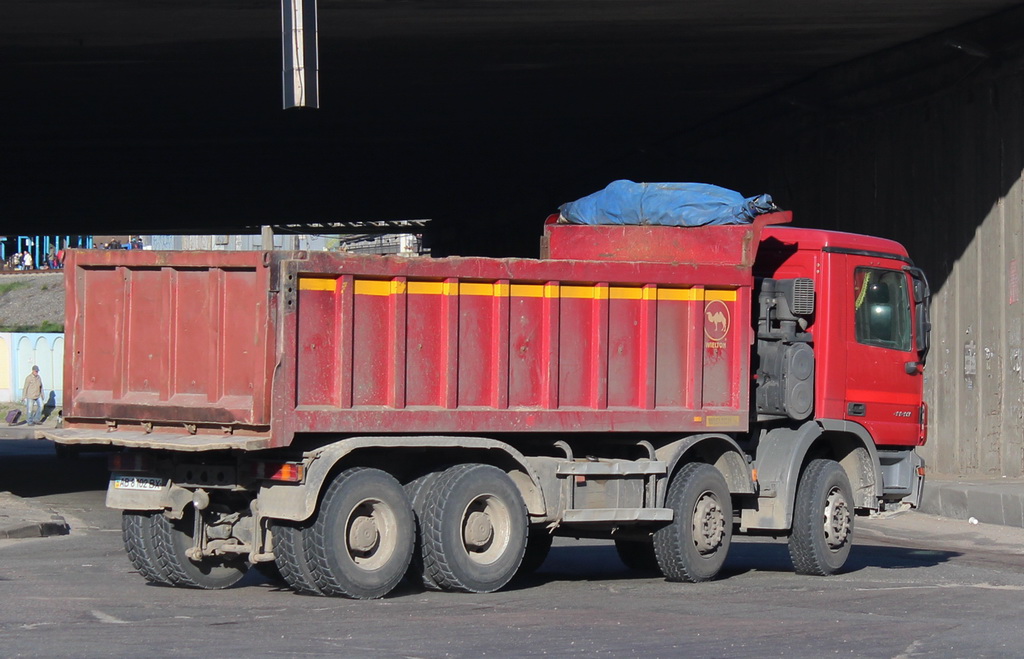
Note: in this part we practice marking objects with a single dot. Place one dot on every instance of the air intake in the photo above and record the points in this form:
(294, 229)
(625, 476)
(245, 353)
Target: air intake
(803, 297)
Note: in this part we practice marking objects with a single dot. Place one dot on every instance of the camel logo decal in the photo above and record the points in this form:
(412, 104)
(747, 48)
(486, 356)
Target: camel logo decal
(716, 321)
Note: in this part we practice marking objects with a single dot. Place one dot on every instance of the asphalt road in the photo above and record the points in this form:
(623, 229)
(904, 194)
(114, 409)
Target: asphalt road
(917, 586)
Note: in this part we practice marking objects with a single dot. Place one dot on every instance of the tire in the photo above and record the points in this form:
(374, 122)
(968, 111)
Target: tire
(474, 529)
(360, 542)
(694, 546)
(538, 546)
(417, 491)
(139, 543)
(637, 555)
(174, 539)
(290, 558)
(822, 532)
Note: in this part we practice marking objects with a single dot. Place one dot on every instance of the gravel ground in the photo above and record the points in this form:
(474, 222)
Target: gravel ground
(28, 300)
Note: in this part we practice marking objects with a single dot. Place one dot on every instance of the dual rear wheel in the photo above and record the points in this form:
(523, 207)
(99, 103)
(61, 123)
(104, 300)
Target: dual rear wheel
(158, 548)
(460, 529)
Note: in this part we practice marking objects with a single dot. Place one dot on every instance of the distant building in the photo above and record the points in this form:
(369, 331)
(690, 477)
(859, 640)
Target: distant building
(356, 237)
(39, 246)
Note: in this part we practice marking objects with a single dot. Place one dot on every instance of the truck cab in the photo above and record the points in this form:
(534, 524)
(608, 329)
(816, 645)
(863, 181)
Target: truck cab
(870, 336)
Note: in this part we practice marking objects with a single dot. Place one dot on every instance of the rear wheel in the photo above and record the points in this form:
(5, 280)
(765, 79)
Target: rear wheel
(694, 546)
(137, 534)
(637, 555)
(174, 539)
(361, 541)
(474, 529)
(822, 519)
(417, 491)
(290, 558)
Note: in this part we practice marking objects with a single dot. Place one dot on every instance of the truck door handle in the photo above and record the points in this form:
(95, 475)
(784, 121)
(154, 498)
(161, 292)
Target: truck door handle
(856, 409)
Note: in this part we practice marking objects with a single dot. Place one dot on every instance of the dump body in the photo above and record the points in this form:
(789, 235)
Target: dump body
(218, 349)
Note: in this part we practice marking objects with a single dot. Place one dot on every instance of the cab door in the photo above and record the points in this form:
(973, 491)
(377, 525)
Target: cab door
(884, 386)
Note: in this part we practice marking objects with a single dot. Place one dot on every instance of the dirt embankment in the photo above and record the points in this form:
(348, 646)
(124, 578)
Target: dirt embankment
(32, 302)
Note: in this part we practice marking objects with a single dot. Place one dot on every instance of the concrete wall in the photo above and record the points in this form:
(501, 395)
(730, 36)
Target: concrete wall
(945, 179)
(924, 144)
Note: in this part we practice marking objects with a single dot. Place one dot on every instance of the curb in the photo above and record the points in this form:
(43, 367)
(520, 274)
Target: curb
(56, 526)
(993, 502)
(23, 518)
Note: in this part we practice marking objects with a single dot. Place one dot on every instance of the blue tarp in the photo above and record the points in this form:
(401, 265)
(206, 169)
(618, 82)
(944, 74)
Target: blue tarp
(669, 204)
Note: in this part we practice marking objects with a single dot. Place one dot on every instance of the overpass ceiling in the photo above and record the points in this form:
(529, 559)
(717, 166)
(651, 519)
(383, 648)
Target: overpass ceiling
(165, 115)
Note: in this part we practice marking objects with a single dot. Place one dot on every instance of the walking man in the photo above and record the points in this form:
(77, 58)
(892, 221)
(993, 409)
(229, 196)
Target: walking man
(33, 396)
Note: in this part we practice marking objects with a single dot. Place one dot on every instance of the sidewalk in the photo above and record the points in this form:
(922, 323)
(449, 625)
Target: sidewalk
(21, 517)
(22, 429)
(26, 518)
(989, 500)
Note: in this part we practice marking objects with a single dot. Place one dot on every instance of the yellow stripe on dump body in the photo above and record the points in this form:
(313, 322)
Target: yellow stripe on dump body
(474, 288)
(563, 291)
(428, 288)
(379, 287)
(317, 284)
(724, 296)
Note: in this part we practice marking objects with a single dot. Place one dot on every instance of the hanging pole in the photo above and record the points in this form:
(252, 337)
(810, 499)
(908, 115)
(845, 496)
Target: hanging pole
(299, 48)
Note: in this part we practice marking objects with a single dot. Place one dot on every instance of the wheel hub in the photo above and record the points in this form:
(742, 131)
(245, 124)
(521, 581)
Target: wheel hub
(486, 524)
(837, 519)
(479, 530)
(708, 524)
(363, 535)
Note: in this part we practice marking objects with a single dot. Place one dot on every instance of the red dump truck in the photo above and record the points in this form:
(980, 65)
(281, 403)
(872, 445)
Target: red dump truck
(354, 419)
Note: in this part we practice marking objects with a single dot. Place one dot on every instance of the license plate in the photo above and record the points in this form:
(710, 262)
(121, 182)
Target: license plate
(138, 483)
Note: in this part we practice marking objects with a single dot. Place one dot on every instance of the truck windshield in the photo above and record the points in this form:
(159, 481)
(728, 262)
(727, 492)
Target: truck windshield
(882, 308)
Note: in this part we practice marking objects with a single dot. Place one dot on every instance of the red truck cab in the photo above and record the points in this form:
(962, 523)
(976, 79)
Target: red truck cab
(871, 339)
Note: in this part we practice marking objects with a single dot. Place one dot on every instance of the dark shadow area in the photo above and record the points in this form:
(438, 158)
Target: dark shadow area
(50, 405)
(31, 468)
(601, 563)
(919, 143)
(774, 557)
(481, 117)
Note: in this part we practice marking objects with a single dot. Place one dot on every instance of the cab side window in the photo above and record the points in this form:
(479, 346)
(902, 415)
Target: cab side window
(882, 308)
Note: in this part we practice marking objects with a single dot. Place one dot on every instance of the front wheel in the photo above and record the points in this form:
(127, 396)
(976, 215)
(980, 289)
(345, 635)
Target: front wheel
(694, 546)
(822, 520)
(474, 529)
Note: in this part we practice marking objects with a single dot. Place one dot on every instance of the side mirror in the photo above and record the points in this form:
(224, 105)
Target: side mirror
(922, 315)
